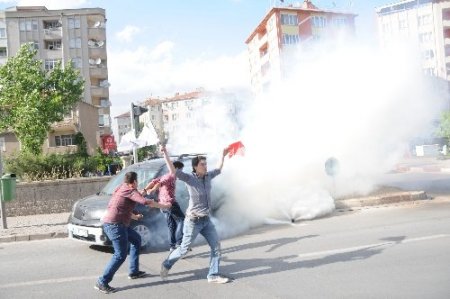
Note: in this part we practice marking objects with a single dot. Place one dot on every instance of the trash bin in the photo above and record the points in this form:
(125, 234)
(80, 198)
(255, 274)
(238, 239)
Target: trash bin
(8, 186)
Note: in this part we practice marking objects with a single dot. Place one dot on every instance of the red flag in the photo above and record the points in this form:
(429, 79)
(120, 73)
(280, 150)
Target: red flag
(236, 148)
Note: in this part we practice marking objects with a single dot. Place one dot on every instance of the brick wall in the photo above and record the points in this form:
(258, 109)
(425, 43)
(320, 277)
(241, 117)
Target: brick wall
(52, 196)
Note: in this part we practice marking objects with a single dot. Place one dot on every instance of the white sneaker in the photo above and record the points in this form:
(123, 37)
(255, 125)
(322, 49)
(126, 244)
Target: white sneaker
(218, 279)
(164, 272)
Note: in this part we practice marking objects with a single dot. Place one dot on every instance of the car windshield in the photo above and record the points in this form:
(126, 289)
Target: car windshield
(145, 174)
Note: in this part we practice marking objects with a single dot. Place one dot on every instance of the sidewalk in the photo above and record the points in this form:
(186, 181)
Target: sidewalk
(35, 227)
(423, 164)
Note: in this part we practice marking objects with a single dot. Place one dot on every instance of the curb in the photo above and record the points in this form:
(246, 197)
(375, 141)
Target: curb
(380, 200)
(33, 237)
(340, 204)
(430, 168)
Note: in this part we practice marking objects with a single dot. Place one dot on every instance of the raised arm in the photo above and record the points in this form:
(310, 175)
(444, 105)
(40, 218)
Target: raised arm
(220, 164)
(169, 163)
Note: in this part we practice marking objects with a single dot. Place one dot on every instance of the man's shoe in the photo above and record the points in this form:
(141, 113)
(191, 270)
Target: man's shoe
(218, 279)
(164, 272)
(139, 274)
(171, 249)
(105, 289)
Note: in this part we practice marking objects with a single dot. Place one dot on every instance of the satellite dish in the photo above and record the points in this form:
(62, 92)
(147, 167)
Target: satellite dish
(100, 44)
(91, 43)
(91, 61)
(98, 61)
(97, 24)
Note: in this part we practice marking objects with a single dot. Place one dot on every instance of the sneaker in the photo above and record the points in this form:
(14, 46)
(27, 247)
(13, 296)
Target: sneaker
(218, 279)
(106, 289)
(164, 272)
(139, 274)
(171, 249)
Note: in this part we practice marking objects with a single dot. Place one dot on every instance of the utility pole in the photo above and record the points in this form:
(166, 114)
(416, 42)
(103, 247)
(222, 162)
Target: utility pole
(136, 111)
(2, 203)
(134, 130)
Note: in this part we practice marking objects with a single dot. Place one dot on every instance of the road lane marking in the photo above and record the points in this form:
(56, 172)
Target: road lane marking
(52, 281)
(356, 248)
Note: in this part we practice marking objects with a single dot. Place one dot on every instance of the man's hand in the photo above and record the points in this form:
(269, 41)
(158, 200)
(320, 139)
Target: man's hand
(152, 204)
(163, 149)
(137, 216)
(225, 151)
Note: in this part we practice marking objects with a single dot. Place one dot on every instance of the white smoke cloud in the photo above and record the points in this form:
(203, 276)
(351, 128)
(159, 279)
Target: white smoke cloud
(359, 105)
(137, 73)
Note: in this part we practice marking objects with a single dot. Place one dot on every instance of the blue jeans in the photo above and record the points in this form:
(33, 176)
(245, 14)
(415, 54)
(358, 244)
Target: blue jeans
(120, 235)
(191, 229)
(175, 219)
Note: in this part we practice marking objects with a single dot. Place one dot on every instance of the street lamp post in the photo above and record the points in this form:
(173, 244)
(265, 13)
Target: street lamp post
(2, 203)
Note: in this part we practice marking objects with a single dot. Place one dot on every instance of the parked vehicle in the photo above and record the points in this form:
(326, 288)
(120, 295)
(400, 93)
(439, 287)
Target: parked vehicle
(84, 222)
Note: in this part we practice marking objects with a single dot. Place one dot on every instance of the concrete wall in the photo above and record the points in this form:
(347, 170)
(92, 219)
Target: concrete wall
(52, 196)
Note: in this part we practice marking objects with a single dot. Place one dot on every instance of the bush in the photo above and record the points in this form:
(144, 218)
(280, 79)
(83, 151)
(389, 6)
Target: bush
(51, 166)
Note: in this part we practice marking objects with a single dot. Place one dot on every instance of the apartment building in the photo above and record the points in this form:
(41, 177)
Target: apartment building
(154, 115)
(187, 117)
(123, 124)
(70, 35)
(425, 24)
(283, 29)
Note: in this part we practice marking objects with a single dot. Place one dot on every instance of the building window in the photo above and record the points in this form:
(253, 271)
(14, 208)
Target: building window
(153, 117)
(290, 39)
(402, 24)
(424, 20)
(340, 22)
(428, 54)
(319, 22)
(51, 64)
(77, 62)
(53, 44)
(425, 37)
(30, 25)
(2, 32)
(174, 116)
(3, 52)
(166, 118)
(52, 24)
(64, 140)
(104, 102)
(289, 19)
(73, 23)
(75, 43)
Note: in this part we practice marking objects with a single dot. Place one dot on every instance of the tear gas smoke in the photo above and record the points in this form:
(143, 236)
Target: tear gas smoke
(351, 102)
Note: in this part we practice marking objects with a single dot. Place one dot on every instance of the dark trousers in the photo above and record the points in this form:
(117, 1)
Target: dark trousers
(175, 220)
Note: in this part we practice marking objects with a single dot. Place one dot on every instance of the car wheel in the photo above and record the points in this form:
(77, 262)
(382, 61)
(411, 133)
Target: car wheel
(144, 232)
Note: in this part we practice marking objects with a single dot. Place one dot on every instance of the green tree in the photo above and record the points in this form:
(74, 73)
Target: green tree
(444, 126)
(31, 98)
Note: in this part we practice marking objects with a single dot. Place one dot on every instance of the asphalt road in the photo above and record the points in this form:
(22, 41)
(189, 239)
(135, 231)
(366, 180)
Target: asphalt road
(388, 252)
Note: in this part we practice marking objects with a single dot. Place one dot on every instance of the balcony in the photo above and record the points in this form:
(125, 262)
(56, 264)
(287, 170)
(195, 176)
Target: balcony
(68, 124)
(447, 41)
(97, 33)
(101, 92)
(98, 72)
(97, 52)
(446, 23)
(53, 33)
